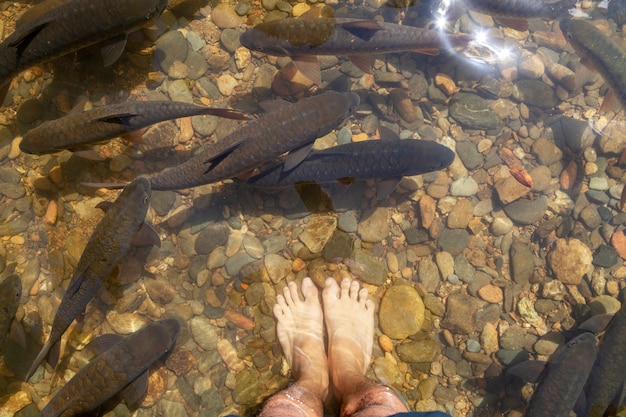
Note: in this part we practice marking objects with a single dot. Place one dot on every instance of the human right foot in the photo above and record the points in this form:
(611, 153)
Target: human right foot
(349, 317)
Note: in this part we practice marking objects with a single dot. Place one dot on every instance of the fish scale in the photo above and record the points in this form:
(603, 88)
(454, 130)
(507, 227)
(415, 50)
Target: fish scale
(260, 141)
(109, 241)
(368, 159)
(101, 123)
(329, 36)
(10, 292)
(68, 27)
(607, 380)
(601, 52)
(114, 369)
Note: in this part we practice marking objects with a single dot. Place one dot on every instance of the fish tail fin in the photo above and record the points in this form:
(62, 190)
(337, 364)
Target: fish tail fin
(43, 354)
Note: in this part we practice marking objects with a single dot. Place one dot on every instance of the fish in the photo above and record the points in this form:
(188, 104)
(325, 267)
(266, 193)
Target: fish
(514, 13)
(606, 387)
(108, 243)
(562, 379)
(59, 28)
(121, 367)
(601, 54)
(74, 131)
(10, 293)
(388, 160)
(286, 128)
(303, 38)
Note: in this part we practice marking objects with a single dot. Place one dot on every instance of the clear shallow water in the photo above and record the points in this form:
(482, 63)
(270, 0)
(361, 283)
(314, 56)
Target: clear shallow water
(227, 249)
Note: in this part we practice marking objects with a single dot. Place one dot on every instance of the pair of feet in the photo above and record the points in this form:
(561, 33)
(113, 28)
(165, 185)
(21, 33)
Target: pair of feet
(349, 319)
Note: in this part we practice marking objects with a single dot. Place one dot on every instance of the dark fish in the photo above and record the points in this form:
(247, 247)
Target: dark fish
(606, 388)
(79, 129)
(122, 367)
(58, 28)
(300, 38)
(385, 159)
(288, 128)
(10, 293)
(513, 13)
(563, 378)
(600, 53)
(108, 243)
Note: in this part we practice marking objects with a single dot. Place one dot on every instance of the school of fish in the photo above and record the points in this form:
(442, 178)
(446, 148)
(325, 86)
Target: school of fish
(273, 150)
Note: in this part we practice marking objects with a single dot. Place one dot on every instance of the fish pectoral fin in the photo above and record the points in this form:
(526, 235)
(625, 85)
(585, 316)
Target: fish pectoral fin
(585, 73)
(109, 185)
(146, 236)
(135, 390)
(528, 370)
(104, 205)
(103, 343)
(362, 29)
(75, 284)
(309, 66)
(581, 404)
(597, 323)
(520, 25)
(135, 137)
(227, 113)
(427, 51)
(90, 154)
(16, 333)
(112, 49)
(610, 102)
(362, 62)
(272, 106)
(386, 187)
(295, 157)
(385, 133)
(53, 355)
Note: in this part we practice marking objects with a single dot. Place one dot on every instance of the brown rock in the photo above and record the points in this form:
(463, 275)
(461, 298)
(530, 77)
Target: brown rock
(157, 385)
(491, 293)
(180, 362)
(403, 104)
(460, 215)
(570, 260)
(618, 241)
(445, 84)
(568, 176)
(428, 208)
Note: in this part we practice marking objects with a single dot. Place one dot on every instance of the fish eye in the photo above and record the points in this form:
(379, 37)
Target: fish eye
(145, 199)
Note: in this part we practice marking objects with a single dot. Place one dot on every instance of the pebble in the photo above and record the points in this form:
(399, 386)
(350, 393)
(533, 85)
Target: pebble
(460, 314)
(401, 312)
(318, 231)
(570, 260)
(225, 17)
(464, 187)
(491, 293)
(526, 212)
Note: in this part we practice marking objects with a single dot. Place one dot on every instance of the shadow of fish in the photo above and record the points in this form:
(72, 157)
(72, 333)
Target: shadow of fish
(122, 366)
(300, 38)
(385, 159)
(606, 388)
(561, 380)
(10, 293)
(108, 243)
(101, 123)
(287, 128)
(58, 28)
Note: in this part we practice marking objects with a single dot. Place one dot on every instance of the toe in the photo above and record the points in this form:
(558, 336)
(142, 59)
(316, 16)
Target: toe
(293, 291)
(363, 293)
(309, 290)
(280, 306)
(354, 290)
(345, 288)
(330, 291)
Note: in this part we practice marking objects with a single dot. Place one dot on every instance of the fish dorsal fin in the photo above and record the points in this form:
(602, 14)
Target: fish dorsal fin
(37, 10)
(427, 51)
(146, 236)
(273, 106)
(16, 333)
(309, 66)
(26, 38)
(610, 102)
(386, 187)
(133, 391)
(528, 370)
(226, 113)
(112, 49)
(362, 62)
(117, 118)
(520, 25)
(362, 29)
(295, 157)
(597, 323)
(90, 154)
(581, 404)
(214, 160)
(102, 343)
(77, 280)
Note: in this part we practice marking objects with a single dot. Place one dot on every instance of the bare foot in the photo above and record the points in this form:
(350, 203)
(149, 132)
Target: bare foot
(349, 317)
(300, 331)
